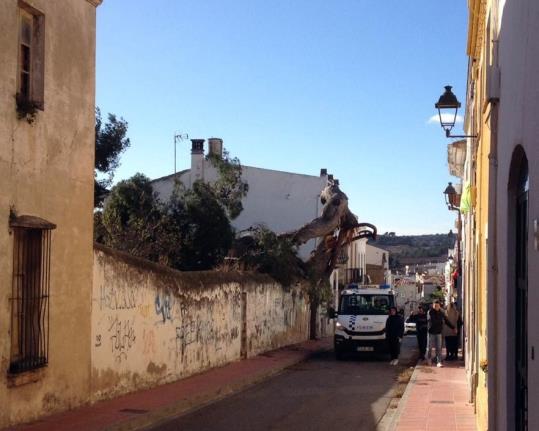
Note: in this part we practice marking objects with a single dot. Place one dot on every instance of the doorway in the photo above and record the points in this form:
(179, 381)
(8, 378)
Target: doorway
(521, 298)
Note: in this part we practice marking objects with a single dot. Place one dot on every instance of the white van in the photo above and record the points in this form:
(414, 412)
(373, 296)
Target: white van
(360, 321)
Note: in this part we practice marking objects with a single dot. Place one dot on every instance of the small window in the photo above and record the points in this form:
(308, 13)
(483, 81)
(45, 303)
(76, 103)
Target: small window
(30, 293)
(30, 79)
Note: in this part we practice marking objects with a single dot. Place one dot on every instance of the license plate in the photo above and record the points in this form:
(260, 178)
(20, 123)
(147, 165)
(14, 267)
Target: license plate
(365, 349)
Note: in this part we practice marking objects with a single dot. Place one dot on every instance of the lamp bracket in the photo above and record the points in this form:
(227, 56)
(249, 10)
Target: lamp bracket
(449, 135)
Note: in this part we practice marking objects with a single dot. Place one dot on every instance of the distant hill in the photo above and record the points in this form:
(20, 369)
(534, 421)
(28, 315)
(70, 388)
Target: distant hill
(415, 249)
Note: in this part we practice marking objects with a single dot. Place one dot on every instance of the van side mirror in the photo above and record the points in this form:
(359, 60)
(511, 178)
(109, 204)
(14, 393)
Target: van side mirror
(332, 313)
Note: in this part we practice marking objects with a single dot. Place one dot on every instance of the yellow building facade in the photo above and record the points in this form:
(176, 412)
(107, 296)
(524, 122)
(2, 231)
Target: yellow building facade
(501, 237)
(480, 120)
(47, 88)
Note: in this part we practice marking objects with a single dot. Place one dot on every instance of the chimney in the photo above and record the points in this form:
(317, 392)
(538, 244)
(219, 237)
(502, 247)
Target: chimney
(323, 172)
(330, 177)
(215, 146)
(197, 160)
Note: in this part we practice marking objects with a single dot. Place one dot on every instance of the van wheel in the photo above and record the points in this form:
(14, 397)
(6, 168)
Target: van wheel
(339, 354)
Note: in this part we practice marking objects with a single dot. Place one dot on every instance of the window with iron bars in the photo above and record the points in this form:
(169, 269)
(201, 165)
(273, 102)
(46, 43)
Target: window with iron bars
(30, 293)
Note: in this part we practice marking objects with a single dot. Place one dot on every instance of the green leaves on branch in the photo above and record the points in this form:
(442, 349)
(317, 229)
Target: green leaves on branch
(229, 187)
(190, 231)
(268, 253)
(110, 142)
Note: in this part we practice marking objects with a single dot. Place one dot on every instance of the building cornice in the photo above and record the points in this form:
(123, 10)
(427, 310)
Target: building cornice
(476, 27)
(95, 2)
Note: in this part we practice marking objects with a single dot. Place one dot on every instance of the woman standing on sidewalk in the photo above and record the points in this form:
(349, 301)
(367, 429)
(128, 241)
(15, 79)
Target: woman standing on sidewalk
(437, 318)
(394, 334)
(451, 338)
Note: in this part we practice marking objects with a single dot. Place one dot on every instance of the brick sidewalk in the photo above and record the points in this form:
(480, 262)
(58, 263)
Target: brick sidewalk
(143, 408)
(436, 399)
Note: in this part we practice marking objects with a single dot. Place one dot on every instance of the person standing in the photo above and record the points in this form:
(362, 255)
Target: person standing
(451, 337)
(421, 326)
(394, 334)
(437, 318)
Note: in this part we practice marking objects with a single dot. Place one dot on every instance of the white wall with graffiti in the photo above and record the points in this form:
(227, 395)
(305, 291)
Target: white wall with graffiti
(152, 325)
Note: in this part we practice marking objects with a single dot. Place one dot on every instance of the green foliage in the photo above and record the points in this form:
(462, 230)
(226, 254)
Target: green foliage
(110, 142)
(189, 232)
(438, 294)
(132, 218)
(229, 188)
(206, 231)
(414, 246)
(273, 255)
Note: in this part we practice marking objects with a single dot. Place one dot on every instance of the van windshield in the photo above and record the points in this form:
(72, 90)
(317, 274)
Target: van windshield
(366, 304)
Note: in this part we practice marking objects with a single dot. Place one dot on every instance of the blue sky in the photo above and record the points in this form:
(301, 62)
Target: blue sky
(293, 85)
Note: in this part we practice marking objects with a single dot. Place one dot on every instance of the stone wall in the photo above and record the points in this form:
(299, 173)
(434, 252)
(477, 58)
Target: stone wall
(152, 325)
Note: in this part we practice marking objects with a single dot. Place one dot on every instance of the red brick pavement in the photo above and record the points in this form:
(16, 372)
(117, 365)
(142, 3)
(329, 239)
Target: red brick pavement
(437, 399)
(143, 408)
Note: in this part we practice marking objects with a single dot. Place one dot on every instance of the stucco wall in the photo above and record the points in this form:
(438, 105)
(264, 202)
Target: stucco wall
(152, 325)
(518, 126)
(47, 171)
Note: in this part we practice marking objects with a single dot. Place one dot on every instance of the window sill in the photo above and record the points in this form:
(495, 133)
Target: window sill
(25, 378)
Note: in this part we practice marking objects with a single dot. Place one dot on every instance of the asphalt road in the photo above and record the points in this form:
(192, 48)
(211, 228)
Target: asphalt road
(320, 394)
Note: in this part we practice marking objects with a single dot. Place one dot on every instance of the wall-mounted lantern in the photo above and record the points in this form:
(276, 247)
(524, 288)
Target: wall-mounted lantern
(448, 106)
(452, 198)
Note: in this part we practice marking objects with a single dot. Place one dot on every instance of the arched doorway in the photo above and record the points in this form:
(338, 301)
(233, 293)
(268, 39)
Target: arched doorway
(519, 202)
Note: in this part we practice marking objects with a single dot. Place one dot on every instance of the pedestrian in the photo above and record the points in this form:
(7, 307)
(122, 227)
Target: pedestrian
(394, 334)
(421, 326)
(437, 318)
(451, 336)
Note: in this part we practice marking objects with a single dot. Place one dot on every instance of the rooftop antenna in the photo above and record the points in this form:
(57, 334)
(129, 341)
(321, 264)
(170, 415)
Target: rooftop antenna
(178, 137)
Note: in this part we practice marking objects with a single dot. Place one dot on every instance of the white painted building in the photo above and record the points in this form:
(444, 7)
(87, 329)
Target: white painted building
(282, 201)
(406, 292)
(377, 256)
(352, 271)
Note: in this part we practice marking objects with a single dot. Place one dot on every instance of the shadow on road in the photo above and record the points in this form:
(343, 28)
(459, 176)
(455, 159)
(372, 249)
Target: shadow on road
(319, 394)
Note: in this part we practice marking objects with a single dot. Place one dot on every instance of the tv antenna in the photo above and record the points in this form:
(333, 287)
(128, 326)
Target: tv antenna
(178, 137)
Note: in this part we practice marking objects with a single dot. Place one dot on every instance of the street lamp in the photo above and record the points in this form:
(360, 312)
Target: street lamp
(451, 197)
(448, 106)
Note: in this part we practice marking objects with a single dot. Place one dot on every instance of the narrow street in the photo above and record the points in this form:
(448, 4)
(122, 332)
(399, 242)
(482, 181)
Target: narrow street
(320, 394)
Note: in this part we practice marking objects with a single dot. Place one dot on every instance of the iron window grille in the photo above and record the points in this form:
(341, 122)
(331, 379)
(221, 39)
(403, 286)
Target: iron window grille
(30, 293)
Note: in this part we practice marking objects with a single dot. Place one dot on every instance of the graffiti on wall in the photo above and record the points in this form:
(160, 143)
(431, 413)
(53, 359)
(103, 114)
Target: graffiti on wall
(202, 333)
(141, 319)
(163, 306)
(117, 298)
(122, 337)
(148, 342)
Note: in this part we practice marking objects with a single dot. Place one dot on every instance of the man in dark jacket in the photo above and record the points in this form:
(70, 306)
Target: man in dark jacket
(394, 333)
(437, 318)
(421, 325)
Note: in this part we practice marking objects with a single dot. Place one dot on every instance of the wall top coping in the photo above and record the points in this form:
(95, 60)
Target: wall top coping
(195, 278)
(96, 3)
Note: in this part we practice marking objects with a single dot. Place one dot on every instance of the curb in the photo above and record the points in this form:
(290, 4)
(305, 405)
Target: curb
(182, 407)
(392, 414)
